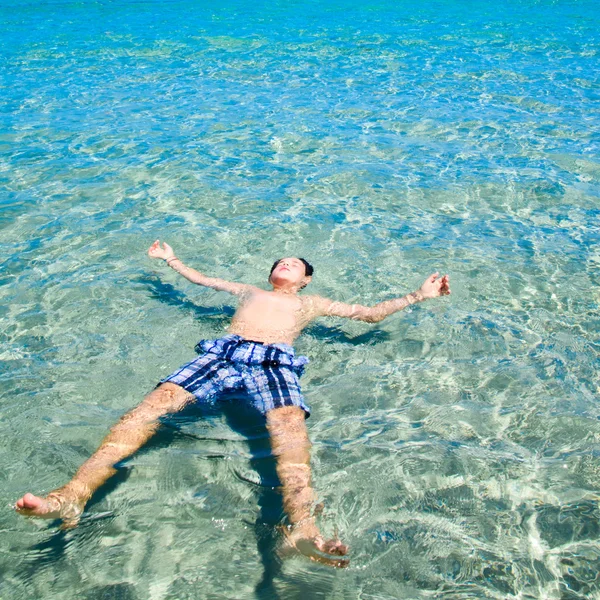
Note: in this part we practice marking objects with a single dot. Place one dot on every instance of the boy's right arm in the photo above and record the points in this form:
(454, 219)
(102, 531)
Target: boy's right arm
(166, 253)
(433, 287)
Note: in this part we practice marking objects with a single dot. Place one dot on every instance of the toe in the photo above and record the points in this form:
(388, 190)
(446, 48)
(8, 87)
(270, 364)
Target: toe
(28, 502)
(32, 502)
(334, 547)
(34, 506)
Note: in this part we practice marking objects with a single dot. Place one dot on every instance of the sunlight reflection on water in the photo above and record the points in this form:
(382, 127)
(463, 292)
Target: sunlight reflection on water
(456, 445)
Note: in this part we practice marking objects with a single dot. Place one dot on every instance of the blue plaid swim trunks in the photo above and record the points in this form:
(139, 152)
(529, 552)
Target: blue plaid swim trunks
(267, 373)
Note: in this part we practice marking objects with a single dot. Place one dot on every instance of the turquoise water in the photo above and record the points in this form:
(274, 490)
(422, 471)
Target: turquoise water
(456, 445)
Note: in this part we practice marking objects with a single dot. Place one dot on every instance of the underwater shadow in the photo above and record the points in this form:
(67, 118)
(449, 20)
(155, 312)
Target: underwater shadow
(247, 421)
(335, 334)
(168, 294)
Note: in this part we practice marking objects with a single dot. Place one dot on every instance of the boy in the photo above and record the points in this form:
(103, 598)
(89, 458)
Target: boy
(256, 356)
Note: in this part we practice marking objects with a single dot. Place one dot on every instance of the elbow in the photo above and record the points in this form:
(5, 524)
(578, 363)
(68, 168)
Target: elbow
(377, 319)
(370, 317)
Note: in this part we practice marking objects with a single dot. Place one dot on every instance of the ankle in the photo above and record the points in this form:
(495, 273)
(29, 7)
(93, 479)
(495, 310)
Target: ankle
(66, 503)
(72, 493)
(305, 528)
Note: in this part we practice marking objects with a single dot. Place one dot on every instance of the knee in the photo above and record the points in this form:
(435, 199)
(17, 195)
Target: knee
(290, 443)
(168, 396)
(164, 399)
(286, 442)
(287, 418)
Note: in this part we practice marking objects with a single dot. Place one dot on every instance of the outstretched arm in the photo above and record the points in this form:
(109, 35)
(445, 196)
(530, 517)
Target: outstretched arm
(433, 287)
(166, 253)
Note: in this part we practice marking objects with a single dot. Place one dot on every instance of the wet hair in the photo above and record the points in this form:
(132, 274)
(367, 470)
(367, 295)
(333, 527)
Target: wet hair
(308, 268)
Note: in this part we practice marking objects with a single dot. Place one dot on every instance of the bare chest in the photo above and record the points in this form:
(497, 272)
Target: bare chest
(268, 303)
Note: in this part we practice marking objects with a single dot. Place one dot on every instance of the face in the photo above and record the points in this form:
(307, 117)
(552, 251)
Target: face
(289, 270)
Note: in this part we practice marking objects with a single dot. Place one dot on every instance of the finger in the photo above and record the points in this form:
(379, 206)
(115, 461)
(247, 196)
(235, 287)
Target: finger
(433, 277)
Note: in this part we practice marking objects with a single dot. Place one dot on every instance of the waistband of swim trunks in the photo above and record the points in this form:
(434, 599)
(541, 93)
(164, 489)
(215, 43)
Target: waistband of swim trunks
(237, 349)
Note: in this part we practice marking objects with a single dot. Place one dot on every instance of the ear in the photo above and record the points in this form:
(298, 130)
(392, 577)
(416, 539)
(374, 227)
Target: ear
(305, 281)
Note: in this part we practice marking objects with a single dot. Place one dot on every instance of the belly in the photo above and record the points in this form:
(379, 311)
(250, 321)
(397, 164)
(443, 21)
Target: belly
(272, 327)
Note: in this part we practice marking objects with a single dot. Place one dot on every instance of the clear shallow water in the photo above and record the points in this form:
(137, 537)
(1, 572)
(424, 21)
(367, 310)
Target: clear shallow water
(456, 446)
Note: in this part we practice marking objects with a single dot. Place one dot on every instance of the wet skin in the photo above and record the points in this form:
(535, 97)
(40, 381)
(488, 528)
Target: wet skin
(275, 316)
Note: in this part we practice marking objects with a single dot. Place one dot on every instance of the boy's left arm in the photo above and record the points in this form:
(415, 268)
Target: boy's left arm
(433, 287)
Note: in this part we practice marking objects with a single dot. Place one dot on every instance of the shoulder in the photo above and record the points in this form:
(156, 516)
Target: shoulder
(242, 290)
(316, 305)
(248, 291)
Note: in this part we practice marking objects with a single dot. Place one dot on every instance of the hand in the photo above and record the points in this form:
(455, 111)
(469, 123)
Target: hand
(435, 286)
(155, 251)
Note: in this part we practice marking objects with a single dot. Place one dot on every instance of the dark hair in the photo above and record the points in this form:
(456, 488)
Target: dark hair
(308, 268)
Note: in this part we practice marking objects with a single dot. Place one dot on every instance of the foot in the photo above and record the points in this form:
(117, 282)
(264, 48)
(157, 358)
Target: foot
(54, 506)
(327, 552)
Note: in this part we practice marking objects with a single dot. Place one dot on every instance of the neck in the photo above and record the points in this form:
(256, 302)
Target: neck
(285, 289)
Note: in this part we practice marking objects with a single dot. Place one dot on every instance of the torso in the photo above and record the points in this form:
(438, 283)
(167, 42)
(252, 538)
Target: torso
(272, 317)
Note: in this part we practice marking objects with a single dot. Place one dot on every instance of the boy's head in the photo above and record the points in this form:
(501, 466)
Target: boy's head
(291, 271)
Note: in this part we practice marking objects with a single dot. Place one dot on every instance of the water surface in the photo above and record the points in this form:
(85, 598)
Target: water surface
(456, 445)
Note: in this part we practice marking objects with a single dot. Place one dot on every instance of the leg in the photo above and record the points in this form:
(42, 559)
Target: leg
(132, 431)
(291, 447)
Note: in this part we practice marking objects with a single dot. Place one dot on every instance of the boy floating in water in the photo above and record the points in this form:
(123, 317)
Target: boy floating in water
(257, 357)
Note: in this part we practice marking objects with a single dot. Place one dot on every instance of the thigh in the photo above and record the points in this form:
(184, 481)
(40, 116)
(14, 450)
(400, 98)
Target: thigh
(288, 434)
(273, 387)
(204, 377)
(166, 398)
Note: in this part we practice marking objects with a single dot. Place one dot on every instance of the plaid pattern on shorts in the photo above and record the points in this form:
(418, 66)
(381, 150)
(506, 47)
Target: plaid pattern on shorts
(268, 373)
